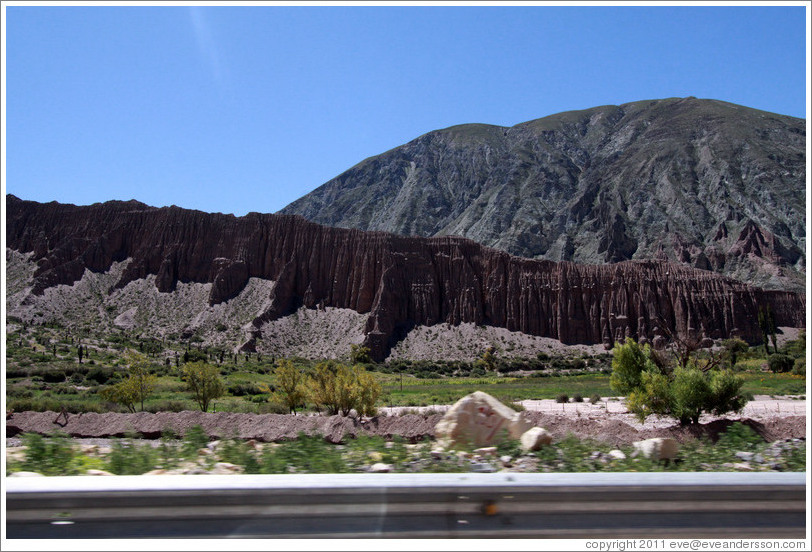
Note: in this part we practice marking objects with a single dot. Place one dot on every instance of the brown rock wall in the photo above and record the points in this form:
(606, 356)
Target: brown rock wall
(400, 281)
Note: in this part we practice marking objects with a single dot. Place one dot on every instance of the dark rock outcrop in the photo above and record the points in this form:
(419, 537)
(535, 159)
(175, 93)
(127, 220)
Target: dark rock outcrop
(401, 282)
(606, 184)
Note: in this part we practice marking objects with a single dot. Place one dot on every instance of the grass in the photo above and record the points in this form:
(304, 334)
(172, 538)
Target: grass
(39, 380)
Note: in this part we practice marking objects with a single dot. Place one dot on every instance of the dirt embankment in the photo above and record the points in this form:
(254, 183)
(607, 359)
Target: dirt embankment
(414, 427)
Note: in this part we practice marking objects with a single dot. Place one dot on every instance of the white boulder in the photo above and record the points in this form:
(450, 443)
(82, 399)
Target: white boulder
(535, 438)
(657, 448)
(480, 420)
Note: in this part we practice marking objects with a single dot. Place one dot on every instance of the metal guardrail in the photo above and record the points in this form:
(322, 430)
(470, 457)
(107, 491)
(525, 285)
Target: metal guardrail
(468, 505)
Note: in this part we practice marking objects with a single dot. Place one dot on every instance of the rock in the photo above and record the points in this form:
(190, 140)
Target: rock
(506, 459)
(484, 451)
(157, 472)
(396, 280)
(375, 456)
(617, 454)
(657, 448)
(25, 474)
(16, 453)
(746, 456)
(481, 467)
(481, 420)
(535, 438)
(380, 467)
(225, 468)
(98, 472)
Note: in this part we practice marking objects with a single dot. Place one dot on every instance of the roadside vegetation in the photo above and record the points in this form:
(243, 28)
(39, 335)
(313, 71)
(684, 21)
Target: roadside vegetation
(51, 368)
(738, 449)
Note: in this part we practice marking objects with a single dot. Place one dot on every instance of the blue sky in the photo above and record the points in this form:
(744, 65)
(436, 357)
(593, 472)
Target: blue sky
(238, 109)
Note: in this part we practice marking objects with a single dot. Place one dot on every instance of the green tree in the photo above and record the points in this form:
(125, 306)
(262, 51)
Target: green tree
(290, 384)
(341, 389)
(780, 363)
(733, 348)
(203, 380)
(766, 323)
(139, 385)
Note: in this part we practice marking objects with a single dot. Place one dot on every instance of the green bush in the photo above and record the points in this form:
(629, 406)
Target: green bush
(628, 365)
(100, 375)
(34, 404)
(166, 406)
(194, 439)
(48, 455)
(562, 398)
(577, 397)
(307, 454)
(683, 393)
(595, 399)
(780, 363)
(799, 367)
(127, 457)
(739, 437)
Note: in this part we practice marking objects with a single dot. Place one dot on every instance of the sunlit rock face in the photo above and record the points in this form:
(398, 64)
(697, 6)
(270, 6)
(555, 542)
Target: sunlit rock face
(400, 282)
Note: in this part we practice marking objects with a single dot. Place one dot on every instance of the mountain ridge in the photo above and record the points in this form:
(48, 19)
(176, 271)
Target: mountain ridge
(702, 182)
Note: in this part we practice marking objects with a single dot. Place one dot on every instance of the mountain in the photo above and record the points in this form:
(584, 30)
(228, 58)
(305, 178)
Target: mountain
(256, 269)
(705, 183)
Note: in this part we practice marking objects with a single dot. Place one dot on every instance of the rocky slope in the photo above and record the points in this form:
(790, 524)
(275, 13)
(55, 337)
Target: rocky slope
(399, 282)
(705, 183)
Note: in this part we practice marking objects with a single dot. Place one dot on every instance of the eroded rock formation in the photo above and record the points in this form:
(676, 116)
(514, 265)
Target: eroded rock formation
(400, 281)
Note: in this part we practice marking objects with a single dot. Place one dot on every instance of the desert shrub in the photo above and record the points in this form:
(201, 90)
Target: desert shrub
(194, 439)
(733, 349)
(127, 457)
(18, 392)
(307, 454)
(166, 406)
(243, 389)
(237, 451)
(100, 375)
(595, 399)
(272, 407)
(690, 394)
(48, 455)
(628, 365)
(195, 355)
(739, 436)
(797, 347)
(562, 398)
(34, 404)
(577, 397)
(780, 363)
(684, 393)
(340, 389)
(53, 377)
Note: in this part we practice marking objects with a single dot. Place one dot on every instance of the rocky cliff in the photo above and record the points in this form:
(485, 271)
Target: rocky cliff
(399, 281)
(704, 183)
